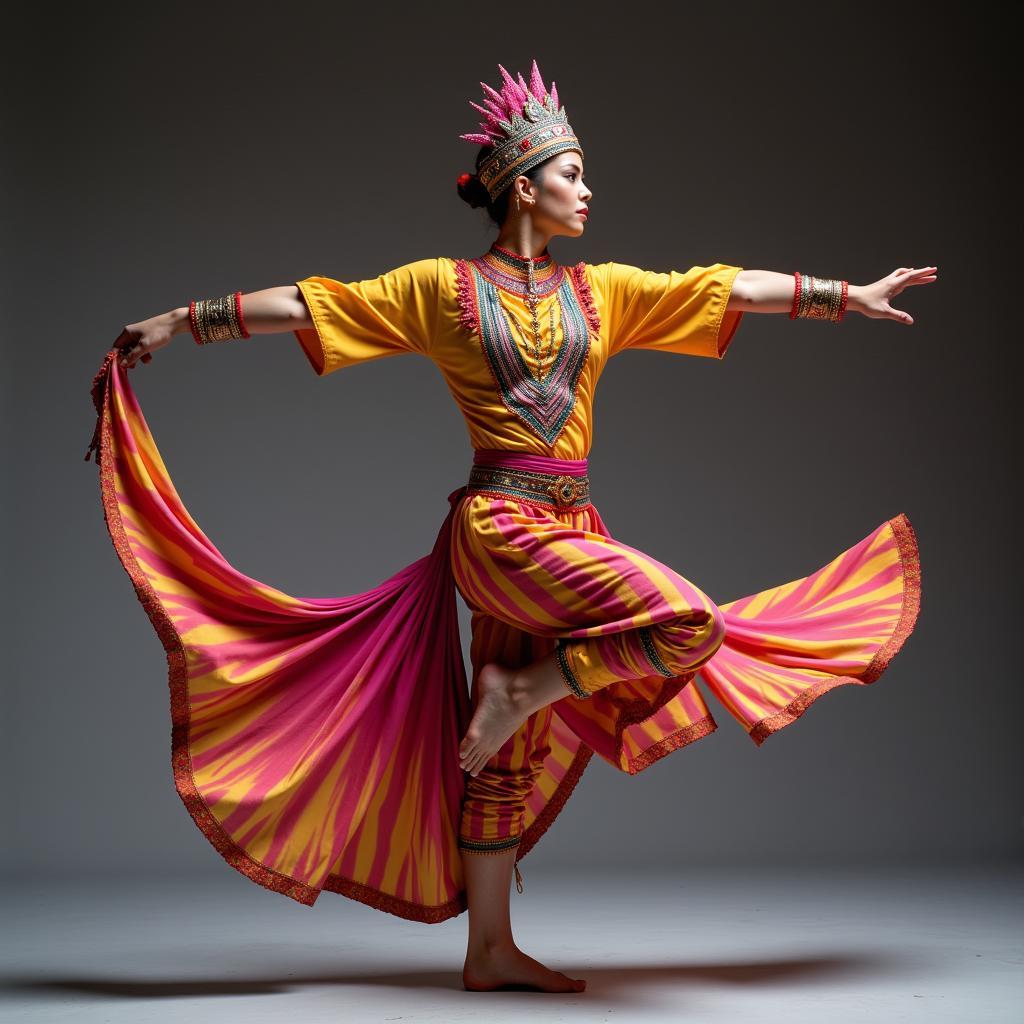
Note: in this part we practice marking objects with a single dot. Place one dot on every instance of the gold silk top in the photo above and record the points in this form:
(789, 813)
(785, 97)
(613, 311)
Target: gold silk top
(472, 319)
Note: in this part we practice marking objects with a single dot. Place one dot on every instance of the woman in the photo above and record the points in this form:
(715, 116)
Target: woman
(330, 743)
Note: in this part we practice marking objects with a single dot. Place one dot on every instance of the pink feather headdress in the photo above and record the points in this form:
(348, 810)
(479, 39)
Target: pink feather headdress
(523, 124)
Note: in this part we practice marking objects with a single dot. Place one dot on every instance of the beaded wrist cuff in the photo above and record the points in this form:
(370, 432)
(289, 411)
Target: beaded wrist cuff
(818, 298)
(217, 319)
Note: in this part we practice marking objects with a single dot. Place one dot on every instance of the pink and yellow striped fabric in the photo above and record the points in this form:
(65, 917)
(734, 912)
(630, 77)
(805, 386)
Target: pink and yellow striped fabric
(315, 740)
(539, 573)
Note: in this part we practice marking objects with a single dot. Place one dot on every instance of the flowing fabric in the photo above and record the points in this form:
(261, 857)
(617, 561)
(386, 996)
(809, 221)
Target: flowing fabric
(315, 740)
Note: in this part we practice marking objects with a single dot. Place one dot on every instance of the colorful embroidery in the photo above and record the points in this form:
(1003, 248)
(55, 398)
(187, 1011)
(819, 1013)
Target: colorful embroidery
(652, 652)
(544, 406)
(578, 274)
(553, 490)
(568, 676)
(489, 845)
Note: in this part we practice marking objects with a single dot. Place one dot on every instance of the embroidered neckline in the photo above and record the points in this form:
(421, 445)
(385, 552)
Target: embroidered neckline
(543, 406)
(510, 271)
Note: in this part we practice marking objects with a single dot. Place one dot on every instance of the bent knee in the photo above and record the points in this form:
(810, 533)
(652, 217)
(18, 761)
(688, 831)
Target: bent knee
(691, 640)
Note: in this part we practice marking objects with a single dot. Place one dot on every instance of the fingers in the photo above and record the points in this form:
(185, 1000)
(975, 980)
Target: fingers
(126, 339)
(132, 353)
(900, 316)
(923, 276)
(127, 343)
(908, 273)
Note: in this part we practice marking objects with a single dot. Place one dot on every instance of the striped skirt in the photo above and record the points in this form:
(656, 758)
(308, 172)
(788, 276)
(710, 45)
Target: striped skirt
(314, 741)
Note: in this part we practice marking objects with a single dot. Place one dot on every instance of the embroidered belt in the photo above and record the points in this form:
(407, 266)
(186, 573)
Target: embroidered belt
(560, 491)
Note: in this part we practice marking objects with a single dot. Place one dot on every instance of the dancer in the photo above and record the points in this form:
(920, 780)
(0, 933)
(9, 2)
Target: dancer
(334, 743)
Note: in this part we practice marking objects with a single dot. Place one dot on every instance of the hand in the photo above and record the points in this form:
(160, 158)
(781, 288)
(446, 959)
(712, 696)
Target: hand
(873, 299)
(139, 341)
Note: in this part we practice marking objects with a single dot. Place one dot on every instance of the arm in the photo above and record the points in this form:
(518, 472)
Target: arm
(766, 291)
(268, 311)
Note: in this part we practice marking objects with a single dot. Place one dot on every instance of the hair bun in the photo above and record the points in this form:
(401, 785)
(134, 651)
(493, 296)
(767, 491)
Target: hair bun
(471, 190)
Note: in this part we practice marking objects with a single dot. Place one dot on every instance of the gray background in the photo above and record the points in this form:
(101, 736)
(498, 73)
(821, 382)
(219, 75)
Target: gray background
(153, 157)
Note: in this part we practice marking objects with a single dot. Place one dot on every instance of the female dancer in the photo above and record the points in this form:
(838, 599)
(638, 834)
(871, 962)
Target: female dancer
(329, 743)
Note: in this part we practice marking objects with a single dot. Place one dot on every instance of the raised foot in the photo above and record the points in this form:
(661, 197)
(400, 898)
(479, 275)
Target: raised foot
(509, 968)
(497, 715)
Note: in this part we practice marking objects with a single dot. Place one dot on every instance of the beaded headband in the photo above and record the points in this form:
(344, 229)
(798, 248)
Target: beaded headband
(525, 126)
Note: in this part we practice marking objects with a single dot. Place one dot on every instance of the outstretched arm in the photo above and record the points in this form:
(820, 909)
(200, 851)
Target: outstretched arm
(268, 311)
(766, 291)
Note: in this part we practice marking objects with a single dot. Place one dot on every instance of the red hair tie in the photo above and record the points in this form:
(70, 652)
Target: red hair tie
(463, 179)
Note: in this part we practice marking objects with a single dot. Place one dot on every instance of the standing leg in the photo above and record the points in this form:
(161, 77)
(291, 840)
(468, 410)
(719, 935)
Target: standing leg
(492, 825)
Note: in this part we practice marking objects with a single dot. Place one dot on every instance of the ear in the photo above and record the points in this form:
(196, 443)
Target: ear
(525, 189)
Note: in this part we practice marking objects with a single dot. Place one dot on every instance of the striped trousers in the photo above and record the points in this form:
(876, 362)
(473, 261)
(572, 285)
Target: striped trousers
(539, 572)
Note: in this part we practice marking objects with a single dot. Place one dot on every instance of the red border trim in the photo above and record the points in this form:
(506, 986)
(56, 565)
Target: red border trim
(910, 557)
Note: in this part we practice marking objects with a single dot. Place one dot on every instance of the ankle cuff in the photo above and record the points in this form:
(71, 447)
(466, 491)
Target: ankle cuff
(568, 676)
(489, 845)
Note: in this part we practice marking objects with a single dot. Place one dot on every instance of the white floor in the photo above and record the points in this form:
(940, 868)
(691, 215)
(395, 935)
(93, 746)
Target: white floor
(878, 945)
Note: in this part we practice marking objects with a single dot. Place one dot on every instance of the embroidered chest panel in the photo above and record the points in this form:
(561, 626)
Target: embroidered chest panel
(544, 405)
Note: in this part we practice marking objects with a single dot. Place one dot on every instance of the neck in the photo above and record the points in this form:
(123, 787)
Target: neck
(520, 238)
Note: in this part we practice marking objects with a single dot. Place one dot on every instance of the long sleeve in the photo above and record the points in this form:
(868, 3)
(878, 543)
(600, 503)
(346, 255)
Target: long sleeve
(667, 311)
(388, 315)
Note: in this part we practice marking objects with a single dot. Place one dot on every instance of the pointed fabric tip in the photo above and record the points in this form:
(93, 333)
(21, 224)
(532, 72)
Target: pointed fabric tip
(516, 98)
(537, 83)
(483, 140)
(490, 118)
(495, 108)
(554, 96)
(494, 95)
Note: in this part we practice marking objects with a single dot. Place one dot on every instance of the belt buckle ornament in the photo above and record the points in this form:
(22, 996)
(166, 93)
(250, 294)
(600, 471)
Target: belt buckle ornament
(564, 490)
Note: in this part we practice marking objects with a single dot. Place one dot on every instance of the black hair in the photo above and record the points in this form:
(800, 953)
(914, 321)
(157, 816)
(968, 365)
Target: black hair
(474, 192)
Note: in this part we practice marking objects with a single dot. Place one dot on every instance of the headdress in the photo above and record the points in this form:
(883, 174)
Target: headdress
(525, 126)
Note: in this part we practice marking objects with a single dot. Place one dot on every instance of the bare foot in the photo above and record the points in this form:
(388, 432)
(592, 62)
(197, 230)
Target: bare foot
(508, 967)
(496, 717)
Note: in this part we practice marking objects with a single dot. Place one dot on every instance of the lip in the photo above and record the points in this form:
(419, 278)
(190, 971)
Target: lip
(582, 213)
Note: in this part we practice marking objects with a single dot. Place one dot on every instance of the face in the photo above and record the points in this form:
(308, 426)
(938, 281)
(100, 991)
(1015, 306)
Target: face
(559, 196)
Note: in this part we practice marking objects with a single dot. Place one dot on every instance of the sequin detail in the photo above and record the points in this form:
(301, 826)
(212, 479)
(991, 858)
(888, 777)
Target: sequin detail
(567, 673)
(489, 845)
(543, 406)
(578, 276)
(651, 651)
(559, 492)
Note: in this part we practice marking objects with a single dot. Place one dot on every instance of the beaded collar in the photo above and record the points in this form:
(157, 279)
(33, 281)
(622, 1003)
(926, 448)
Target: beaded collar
(510, 271)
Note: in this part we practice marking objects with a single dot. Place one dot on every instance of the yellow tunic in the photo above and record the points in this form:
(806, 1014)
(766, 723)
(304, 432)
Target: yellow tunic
(415, 309)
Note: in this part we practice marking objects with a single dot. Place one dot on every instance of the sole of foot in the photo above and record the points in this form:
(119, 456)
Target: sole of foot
(495, 718)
